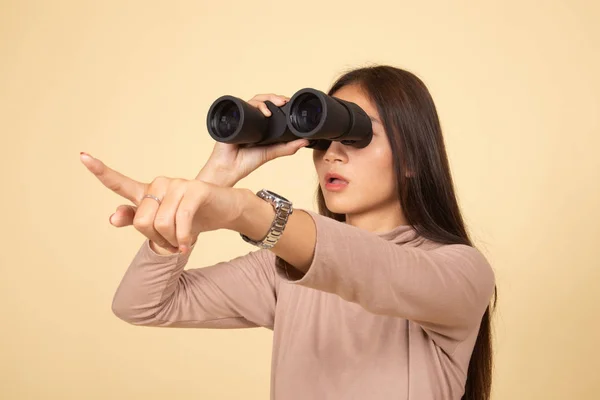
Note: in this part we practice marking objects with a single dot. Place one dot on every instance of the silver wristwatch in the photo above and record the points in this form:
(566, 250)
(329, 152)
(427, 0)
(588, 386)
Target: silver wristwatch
(283, 209)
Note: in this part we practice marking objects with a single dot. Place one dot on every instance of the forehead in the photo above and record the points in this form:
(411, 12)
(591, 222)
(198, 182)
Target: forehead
(356, 95)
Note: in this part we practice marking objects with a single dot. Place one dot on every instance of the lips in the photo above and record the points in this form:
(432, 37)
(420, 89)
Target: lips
(332, 177)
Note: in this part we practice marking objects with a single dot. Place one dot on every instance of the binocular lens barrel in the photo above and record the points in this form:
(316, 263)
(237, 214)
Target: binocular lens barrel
(227, 118)
(309, 114)
(306, 113)
(232, 120)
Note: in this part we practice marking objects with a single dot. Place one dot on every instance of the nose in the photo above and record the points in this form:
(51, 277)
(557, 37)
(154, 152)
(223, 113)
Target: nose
(336, 152)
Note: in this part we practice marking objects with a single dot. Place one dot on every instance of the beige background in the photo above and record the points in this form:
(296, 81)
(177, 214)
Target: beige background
(517, 87)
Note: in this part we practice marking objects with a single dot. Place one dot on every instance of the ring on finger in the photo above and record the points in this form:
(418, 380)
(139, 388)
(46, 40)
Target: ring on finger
(151, 196)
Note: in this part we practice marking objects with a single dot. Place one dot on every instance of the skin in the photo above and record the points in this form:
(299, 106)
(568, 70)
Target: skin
(209, 202)
(370, 200)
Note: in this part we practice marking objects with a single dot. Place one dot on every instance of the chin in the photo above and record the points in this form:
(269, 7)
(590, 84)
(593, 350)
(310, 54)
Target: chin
(340, 206)
(350, 203)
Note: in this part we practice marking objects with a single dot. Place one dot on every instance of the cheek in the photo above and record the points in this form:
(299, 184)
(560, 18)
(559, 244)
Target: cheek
(378, 161)
(317, 157)
(377, 170)
(382, 155)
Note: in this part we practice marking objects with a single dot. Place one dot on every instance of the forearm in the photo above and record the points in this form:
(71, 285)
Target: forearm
(297, 243)
(216, 176)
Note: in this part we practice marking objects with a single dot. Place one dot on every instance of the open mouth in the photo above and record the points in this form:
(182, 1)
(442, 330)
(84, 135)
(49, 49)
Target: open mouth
(337, 181)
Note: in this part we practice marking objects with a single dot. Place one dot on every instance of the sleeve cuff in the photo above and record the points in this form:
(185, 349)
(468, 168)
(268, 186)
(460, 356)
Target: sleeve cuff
(150, 253)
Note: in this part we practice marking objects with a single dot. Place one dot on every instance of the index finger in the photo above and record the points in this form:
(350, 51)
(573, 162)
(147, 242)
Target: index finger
(120, 184)
(272, 97)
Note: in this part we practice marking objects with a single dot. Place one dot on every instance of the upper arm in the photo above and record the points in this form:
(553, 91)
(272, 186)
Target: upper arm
(445, 289)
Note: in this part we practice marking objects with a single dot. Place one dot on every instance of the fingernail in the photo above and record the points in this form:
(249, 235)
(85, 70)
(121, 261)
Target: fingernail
(110, 218)
(85, 155)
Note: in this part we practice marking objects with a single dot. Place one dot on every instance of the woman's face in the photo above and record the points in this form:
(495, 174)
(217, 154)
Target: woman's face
(371, 185)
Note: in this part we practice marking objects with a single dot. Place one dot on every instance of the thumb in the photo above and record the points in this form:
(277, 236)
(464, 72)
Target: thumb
(123, 216)
(285, 149)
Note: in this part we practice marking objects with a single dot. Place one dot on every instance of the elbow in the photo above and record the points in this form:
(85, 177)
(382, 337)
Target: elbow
(470, 299)
(468, 312)
(140, 313)
(456, 314)
(134, 314)
(123, 310)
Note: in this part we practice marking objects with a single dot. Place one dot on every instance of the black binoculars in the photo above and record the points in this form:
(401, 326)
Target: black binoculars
(310, 114)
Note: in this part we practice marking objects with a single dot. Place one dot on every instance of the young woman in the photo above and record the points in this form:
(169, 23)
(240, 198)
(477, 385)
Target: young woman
(380, 295)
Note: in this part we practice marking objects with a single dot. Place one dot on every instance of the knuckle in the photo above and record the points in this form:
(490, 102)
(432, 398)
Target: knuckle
(159, 181)
(261, 97)
(184, 213)
(115, 186)
(179, 182)
(142, 223)
(184, 239)
(162, 222)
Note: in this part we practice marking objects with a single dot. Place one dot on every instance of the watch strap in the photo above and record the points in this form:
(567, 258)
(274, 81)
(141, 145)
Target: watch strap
(283, 209)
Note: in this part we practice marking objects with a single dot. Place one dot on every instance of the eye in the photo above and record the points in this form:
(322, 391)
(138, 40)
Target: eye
(321, 145)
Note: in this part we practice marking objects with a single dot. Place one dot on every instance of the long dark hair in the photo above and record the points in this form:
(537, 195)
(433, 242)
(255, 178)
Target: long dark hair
(426, 194)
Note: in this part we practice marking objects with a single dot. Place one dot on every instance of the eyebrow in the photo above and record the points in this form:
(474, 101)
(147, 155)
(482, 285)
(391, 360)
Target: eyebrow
(373, 119)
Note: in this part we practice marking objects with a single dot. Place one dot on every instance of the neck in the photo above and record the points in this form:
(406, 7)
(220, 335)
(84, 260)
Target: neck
(377, 220)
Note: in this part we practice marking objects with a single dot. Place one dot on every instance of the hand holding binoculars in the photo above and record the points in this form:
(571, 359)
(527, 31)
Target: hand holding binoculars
(310, 114)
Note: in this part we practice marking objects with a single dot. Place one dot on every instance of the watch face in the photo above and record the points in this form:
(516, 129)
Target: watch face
(276, 195)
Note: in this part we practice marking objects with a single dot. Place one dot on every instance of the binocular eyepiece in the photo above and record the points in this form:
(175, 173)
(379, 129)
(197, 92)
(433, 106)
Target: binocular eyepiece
(309, 114)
